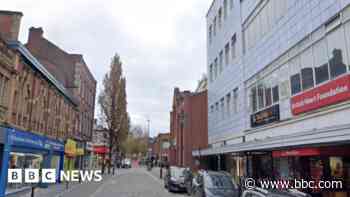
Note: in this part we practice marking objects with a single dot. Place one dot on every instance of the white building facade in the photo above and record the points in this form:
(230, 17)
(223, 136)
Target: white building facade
(279, 79)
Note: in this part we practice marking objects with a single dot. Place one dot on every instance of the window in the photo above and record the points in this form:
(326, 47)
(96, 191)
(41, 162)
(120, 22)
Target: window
(275, 94)
(222, 108)
(210, 33)
(211, 72)
(225, 9)
(227, 54)
(268, 96)
(235, 100)
(214, 26)
(261, 103)
(215, 68)
(295, 78)
(220, 17)
(347, 33)
(228, 104)
(307, 74)
(320, 62)
(221, 61)
(233, 47)
(337, 52)
(3, 90)
(253, 100)
(231, 4)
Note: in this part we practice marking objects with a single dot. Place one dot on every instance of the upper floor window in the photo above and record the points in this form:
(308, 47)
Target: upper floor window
(231, 4)
(215, 68)
(220, 17)
(337, 52)
(235, 100)
(228, 104)
(211, 72)
(210, 33)
(214, 26)
(233, 47)
(221, 59)
(225, 9)
(227, 54)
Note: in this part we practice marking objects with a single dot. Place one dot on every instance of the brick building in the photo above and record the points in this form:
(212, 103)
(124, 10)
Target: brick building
(37, 113)
(161, 145)
(72, 71)
(188, 126)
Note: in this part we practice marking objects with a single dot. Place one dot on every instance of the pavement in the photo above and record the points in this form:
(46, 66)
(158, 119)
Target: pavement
(134, 182)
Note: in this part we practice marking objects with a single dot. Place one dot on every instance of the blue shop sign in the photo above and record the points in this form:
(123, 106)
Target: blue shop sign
(30, 140)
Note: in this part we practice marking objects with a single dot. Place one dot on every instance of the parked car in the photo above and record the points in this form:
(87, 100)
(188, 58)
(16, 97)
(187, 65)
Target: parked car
(188, 174)
(126, 163)
(214, 184)
(174, 179)
(258, 192)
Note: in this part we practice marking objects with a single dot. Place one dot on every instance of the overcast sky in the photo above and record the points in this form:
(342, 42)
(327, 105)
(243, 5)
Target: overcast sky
(161, 43)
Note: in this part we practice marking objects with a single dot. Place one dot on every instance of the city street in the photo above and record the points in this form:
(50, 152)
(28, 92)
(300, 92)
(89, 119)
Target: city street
(135, 182)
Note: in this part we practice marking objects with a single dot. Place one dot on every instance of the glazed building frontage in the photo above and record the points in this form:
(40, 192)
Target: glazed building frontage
(291, 78)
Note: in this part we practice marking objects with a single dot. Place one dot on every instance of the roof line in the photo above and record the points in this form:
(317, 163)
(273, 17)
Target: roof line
(37, 65)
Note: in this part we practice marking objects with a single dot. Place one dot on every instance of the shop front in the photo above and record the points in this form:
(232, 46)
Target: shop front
(331, 163)
(70, 150)
(25, 150)
(100, 156)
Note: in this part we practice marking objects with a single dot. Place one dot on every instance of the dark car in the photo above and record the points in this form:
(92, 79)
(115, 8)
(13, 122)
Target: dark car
(174, 179)
(188, 180)
(214, 184)
(258, 192)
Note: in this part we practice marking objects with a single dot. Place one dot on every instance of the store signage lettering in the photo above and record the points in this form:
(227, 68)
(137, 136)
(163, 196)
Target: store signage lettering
(333, 92)
(266, 116)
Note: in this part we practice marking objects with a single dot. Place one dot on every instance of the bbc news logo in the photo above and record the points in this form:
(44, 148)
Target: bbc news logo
(50, 176)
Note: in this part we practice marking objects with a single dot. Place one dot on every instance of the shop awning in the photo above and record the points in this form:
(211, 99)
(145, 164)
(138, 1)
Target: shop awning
(101, 150)
(314, 137)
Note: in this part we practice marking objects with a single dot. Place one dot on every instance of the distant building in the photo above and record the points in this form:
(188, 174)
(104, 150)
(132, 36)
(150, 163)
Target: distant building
(188, 127)
(160, 146)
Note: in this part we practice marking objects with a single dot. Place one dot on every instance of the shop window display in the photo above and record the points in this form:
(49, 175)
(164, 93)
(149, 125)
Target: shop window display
(23, 161)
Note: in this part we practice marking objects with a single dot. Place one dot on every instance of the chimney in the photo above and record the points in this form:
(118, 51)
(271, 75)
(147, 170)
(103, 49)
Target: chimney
(35, 33)
(9, 24)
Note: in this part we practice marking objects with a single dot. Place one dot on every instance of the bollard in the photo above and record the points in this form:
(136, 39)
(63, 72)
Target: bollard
(161, 172)
(33, 192)
(67, 185)
(113, 170)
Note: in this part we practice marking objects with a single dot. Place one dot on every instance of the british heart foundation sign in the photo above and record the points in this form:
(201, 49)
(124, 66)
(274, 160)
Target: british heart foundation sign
(330, 93)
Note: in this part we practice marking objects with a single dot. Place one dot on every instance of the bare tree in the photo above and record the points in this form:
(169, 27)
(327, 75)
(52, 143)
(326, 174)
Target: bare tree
(112, 101)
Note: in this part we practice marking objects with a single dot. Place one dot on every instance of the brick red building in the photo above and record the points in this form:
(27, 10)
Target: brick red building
(188, 126)
(72, 71)
(161, 146)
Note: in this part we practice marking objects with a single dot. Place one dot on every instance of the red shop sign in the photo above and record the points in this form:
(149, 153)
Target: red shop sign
(100, 149)
(296, 152)
(330, 93)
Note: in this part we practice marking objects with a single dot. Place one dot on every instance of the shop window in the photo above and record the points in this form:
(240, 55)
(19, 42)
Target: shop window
(337, 52)
(320, 62)
(261, 96)
(23, 161)
(275, 94)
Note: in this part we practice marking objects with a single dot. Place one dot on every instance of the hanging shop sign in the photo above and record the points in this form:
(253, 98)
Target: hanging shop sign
(101, 149)
(70, 148)
(330, 93)
(79, 151)
(266, 116)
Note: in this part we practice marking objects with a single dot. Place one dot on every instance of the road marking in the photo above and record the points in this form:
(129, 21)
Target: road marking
(154, 177)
